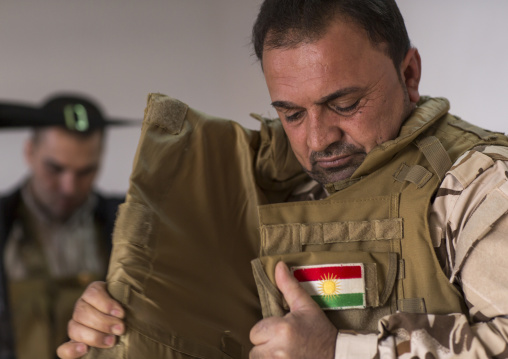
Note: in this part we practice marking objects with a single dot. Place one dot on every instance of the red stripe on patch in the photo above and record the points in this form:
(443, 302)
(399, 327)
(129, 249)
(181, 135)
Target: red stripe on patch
(317, 273)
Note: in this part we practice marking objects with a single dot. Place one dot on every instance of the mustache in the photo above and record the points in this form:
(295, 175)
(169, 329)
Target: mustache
(336, 149)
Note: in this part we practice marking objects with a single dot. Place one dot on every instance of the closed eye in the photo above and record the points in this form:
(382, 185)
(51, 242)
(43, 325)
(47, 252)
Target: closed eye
(346, 110)
(294, 117)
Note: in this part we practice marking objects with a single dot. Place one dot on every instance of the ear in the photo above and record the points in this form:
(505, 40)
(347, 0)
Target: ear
(411, 71)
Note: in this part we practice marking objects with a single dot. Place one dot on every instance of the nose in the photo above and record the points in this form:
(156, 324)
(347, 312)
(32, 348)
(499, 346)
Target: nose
(322, 130)
(68, 183)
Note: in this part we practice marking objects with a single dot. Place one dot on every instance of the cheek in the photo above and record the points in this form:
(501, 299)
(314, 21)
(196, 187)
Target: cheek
(48, 180)
(375, 130)
(86, 182)
(298, 144)
(362, 132)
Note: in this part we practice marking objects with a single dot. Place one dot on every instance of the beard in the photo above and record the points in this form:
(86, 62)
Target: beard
(323, 176)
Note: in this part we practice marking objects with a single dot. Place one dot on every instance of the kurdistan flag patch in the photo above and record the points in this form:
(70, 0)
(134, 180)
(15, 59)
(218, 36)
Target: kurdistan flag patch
(333, 286)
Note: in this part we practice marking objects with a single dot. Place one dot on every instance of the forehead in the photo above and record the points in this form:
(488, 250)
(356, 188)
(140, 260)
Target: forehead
(343, 57)
(67, 149)
(59, 136)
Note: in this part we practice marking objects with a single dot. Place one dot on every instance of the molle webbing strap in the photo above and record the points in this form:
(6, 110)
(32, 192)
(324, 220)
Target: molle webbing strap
(339, 186)
(402, 269)
(435, 153)
(289, 238)
(480, 132)
(415, 174)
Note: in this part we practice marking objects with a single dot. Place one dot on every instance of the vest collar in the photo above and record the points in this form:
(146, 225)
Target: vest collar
(429, 111)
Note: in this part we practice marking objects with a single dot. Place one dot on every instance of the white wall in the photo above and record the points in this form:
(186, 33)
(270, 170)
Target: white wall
(198, 51)
(463, 44)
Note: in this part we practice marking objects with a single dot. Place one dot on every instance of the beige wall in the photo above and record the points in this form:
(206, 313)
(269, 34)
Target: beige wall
(198, 51)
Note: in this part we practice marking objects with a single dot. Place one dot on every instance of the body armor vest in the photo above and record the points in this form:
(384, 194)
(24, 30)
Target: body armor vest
(190, 227)
(377, 219)
(42, 305)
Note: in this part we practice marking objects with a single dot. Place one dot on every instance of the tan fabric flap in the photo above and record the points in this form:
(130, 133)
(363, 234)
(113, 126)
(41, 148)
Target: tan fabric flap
(465, 174)
(133, 224)
(480, 132)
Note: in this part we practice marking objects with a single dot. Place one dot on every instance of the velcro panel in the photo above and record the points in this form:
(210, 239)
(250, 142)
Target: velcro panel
(412, 305)
(166, 113)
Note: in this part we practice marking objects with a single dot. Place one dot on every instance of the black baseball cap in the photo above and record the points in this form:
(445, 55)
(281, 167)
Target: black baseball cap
(74, 112)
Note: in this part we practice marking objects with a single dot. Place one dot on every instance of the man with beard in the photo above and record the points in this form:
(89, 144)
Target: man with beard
(395, 245)
(55, 230)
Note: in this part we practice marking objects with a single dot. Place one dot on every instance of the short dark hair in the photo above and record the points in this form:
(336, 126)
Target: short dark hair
(288, 23)
(38, 133)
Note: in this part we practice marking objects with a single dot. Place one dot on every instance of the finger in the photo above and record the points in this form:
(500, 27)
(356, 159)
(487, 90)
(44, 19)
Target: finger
(97, 296)
(296, 297)
(91, 337)
(71, 350)
(264, 330)
(259, 352)
(89, 316)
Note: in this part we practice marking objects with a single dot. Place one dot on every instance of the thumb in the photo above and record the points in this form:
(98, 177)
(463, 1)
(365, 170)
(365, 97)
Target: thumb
(296, 297)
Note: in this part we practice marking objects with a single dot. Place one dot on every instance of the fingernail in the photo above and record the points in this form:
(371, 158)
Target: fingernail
(117, 329)
(81, 348)
(116, 313)
(109, 340)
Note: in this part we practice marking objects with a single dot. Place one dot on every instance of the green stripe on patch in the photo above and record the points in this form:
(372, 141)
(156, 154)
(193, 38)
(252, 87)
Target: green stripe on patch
(340, 301)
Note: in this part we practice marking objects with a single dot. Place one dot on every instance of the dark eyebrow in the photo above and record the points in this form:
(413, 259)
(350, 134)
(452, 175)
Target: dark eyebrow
(335, 95)
(87, 170)
(285, 105)
(51, 163)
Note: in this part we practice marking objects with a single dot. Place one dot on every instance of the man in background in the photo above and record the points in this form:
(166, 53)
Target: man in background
(55, 230)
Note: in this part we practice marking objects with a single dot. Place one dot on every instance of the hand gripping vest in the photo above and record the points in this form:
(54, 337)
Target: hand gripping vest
(190, 227)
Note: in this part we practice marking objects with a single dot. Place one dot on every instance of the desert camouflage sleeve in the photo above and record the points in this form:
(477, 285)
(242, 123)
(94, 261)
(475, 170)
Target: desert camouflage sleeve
(469, 224)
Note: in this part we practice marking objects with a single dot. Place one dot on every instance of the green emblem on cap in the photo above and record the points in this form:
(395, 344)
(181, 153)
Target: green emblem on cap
(76, 117)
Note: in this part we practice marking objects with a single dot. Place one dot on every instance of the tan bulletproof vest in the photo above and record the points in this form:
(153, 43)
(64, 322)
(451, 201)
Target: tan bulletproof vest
(189, 229)
(378, 220)
(186, 234)
(41, 309)
(41, 305)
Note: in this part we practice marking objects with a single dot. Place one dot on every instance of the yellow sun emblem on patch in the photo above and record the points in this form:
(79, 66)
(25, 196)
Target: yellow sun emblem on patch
(329, 285)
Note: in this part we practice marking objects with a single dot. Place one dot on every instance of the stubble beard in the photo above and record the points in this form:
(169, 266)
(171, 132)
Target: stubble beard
(334, 174)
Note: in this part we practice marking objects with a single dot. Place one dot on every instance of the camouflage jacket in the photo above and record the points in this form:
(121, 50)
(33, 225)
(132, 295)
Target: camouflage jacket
(468, 222)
